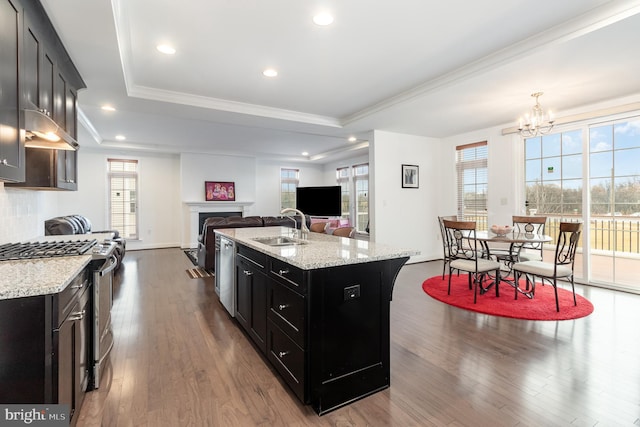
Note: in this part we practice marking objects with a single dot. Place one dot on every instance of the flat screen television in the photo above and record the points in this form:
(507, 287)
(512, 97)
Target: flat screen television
(319, 201)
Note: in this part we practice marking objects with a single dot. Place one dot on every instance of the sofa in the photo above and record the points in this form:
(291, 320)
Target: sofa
(207, 241)
(79, 224)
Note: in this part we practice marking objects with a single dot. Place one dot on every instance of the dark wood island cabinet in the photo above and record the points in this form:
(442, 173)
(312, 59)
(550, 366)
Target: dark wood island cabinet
(318, 311)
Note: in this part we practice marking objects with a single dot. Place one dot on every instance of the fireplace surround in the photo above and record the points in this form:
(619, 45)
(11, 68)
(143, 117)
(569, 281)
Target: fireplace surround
(193, 211)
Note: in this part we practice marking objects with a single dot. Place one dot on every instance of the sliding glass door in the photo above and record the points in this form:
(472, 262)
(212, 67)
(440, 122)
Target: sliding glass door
(614, 184)
(606, 158)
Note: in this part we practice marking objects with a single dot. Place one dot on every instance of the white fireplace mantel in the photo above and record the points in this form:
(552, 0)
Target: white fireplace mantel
(195, 208)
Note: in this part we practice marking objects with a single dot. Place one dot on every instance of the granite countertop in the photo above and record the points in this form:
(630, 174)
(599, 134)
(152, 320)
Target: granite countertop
(319, 251)
(42, 276)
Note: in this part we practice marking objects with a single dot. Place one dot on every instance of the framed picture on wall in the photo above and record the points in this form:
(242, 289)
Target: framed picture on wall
(409, 176)
(215, 191)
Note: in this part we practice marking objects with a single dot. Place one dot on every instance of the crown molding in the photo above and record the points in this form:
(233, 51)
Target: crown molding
(593, 20)
(84, 121)
(230, 106)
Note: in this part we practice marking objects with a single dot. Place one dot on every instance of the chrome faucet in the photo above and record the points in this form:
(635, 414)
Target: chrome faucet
(304, 230)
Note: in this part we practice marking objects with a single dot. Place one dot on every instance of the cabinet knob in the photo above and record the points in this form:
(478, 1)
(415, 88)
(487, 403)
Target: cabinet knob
(4, 162)
(282, 306)
(281, 272)
(282, 354)
(247, 273)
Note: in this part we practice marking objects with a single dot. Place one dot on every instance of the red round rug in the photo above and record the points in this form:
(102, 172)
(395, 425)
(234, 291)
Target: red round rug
(541, 307)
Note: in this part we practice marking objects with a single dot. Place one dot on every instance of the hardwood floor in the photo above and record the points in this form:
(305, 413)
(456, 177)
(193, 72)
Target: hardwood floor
(180, 360)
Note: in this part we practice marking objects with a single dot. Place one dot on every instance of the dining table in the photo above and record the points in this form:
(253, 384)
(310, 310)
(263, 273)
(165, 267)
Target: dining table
(509, 250)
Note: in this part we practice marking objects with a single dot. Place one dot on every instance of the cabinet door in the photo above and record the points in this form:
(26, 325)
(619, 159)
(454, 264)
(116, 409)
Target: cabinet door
(11, 142)
(258, 325)
(32, 52)
(251, 301)
(71, 102)
(64, 357)
(59, 100)
(46, 77)
(66, 168)
(243, 293)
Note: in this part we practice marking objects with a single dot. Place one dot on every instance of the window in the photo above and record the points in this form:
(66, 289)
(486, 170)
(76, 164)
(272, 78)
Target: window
(553, 173)
(342, 178)
(289, 180)
(123, 196)
(361, 181)
(471, 168)
(354, 181)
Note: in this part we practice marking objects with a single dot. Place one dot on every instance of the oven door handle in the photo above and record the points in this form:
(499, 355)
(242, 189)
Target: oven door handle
(112, 266)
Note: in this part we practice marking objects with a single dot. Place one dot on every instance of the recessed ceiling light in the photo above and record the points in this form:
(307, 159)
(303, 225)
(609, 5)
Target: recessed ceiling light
(121, 137)
(270, 72)
(304, 153)
(323, 19)
(352, 139)
(108, 108)
(166, 49)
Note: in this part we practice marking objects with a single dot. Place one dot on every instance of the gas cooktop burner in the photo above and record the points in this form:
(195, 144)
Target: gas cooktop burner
(14, 251)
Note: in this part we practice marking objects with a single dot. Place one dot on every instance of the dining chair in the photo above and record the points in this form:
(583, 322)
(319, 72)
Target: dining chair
(561, 268)
(466, 256)
(445, 247)
(343, 231)
(532, 225)
(319, 227)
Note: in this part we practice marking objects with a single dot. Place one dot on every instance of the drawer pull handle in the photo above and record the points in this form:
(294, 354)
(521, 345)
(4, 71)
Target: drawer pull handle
(78, 286)
(282, 306)
(247, 273)
(282, 354)
(281, 272)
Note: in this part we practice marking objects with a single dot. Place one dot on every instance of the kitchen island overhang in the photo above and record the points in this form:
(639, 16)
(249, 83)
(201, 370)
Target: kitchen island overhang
(319, 309)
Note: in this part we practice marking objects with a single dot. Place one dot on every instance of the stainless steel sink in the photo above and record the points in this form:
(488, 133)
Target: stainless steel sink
(279, 241)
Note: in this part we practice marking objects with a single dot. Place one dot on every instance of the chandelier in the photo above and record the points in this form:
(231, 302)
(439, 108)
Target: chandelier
(536, 122)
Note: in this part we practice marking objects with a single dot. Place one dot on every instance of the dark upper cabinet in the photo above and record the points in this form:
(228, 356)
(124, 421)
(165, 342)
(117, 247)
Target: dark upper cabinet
(46, 80)
(50, 81)
(12, 158)
(48, 169)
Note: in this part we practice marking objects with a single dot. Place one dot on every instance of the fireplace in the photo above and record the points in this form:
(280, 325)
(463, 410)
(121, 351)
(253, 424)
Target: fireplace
(195, 213)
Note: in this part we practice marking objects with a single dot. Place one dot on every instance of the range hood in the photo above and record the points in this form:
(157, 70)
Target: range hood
(42, 132)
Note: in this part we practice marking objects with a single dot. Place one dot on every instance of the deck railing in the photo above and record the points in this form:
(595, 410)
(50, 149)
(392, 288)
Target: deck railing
(607, 233)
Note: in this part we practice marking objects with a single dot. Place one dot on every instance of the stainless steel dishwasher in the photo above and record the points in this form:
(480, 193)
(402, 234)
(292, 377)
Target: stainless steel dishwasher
(225, 273)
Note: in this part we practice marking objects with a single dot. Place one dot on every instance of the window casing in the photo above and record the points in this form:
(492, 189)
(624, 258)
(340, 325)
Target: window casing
(122, 175)
(471, 170)
(289, 180)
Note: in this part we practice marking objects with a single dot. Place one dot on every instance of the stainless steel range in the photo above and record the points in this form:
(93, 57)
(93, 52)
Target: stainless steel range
(102, 264)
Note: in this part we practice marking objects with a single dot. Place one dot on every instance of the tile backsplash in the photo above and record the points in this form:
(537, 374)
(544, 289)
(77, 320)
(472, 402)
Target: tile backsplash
(19, 219)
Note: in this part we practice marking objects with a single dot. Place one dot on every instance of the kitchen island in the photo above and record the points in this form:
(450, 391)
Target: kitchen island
(317, 308)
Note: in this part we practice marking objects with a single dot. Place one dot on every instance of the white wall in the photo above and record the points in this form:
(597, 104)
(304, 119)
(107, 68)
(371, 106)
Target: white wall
(158, 206)
(268, 183)
(405, 217)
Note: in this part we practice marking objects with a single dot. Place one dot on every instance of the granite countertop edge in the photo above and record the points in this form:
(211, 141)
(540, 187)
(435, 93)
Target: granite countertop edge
(42, 276)
(320, 250)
